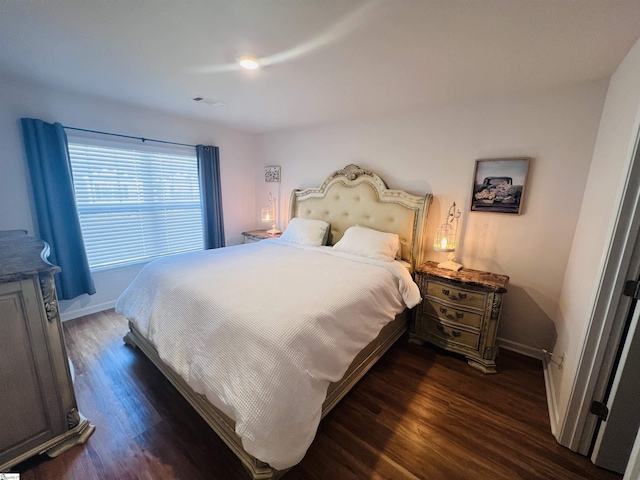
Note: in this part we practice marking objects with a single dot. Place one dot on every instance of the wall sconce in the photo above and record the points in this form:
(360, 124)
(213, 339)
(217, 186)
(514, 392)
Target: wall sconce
(269, 215)
(445, 239)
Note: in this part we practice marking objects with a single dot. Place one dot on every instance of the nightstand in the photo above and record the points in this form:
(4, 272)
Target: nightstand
(460, 312)
(253, 236)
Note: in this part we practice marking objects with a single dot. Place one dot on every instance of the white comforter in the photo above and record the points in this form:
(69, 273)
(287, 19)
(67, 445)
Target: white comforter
(262, 329)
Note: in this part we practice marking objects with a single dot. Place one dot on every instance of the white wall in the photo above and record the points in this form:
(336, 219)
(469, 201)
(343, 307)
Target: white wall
(434, 150)
(21, 99)
(602, 201)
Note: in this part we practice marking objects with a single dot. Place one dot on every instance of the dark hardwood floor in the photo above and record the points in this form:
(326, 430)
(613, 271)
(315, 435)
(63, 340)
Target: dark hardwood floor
(420, 413)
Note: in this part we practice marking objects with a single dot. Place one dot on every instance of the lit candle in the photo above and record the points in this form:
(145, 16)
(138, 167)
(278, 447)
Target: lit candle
(443, 243)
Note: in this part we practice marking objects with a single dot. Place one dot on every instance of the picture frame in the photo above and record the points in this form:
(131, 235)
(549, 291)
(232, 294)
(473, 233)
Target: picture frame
(272, 174)
(499, 185)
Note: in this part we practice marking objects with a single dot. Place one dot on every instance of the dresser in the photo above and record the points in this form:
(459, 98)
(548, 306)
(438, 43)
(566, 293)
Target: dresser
(460, 312)
(38, 410)
(253, 236)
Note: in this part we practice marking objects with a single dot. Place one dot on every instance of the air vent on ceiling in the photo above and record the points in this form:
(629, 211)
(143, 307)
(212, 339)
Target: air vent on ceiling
(208, 101)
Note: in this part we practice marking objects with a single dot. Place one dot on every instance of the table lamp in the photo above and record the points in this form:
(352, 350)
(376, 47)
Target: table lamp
(445, 239)
(269, 215)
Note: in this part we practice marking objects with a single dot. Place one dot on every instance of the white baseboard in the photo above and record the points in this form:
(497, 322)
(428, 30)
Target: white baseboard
(520, 348)
(552, 401)
(87, 310)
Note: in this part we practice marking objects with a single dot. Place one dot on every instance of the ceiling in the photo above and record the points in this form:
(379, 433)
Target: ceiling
(323, 60)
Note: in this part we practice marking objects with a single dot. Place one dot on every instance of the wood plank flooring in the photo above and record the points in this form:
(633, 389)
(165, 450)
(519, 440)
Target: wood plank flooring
(420, 413)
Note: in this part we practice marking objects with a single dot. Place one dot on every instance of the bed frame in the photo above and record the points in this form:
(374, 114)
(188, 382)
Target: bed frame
(349, 196)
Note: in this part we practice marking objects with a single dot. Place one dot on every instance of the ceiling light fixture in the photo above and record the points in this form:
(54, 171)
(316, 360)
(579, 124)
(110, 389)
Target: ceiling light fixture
(249, 63)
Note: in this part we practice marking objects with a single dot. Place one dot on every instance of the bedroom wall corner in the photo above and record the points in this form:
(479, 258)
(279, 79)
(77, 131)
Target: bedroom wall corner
(586, 298)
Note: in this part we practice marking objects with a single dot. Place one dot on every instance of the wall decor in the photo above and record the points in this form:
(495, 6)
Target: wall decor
(499, 184)
(271, 174)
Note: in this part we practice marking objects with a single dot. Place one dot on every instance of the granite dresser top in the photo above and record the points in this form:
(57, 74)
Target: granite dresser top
(22, 256)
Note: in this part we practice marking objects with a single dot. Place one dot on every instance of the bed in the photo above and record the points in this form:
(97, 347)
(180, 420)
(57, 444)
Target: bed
(263, 359)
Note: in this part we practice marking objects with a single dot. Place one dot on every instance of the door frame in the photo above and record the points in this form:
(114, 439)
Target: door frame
(608, 314)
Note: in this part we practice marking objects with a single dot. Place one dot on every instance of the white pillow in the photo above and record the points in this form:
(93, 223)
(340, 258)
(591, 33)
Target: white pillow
(369, 243)
(398, 253)
(306, 231)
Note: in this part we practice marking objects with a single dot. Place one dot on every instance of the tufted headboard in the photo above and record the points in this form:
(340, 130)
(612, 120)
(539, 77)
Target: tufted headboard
(356, 196)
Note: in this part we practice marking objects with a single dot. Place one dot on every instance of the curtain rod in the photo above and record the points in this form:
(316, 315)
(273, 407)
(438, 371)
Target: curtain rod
(127, 136)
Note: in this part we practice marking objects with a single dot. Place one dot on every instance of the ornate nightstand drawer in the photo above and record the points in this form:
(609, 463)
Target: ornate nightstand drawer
(460, 296)
(449, 334)
(452, 315)
(460, 312)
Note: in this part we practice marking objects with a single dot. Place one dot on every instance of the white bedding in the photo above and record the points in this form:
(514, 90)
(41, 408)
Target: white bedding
(262, 329)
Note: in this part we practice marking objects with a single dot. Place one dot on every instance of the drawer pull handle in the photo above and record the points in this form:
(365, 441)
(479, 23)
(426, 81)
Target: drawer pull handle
(460, 296)
(452, 333)
(450, 316)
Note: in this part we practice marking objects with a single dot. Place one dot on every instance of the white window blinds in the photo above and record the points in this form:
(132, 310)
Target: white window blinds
(135, 203)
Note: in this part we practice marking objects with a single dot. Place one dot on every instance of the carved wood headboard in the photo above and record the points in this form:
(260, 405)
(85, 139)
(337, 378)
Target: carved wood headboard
(356, 196)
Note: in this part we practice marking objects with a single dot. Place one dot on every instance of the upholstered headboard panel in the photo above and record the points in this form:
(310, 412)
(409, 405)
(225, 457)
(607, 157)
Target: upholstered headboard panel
(353, 196)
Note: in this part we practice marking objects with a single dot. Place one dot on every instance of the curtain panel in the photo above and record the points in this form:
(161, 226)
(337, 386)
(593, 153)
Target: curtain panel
(211, 194)
(51, 178)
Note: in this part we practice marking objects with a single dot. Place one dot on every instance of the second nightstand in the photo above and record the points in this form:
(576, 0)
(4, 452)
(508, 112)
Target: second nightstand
(253, 236)
(460, 312)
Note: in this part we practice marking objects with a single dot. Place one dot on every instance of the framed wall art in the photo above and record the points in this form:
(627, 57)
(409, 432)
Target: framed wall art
(271, 174)
(499, 185)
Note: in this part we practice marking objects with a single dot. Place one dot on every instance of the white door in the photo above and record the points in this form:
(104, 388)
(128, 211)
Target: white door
(615, 437)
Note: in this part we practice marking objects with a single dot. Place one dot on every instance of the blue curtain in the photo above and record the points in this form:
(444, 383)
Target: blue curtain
(211, 194)
(48, 158)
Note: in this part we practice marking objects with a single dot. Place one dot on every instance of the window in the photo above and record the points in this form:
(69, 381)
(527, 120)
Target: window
(136, 202)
